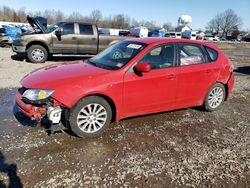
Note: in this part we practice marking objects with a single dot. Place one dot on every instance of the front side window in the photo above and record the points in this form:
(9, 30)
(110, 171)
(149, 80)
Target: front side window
(53, 27)
(86, 29)
(160, 57)
(68, 29)
(118, 55)
(190, 54)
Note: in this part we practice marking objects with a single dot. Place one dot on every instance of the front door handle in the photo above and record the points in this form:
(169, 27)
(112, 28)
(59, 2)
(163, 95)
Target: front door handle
(171, 77)
(74, 38)
(93, 38)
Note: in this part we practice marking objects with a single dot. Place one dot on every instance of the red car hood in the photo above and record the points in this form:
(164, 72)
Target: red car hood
(54, 76)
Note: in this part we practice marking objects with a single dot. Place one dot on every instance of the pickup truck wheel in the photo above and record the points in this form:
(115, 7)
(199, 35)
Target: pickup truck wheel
(90, 117)
(37, 54)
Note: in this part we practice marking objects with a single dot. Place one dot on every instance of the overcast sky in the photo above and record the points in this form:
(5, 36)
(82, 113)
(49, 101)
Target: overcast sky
(160, 11)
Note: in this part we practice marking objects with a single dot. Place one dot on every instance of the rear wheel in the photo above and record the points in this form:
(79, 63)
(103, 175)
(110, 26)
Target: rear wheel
(215, 97)
(37, 54)
(90, 117)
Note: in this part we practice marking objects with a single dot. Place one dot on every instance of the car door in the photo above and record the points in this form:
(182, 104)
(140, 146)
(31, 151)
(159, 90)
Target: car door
(195, 74)
(66, 43)
(87, 39)
(155, 90)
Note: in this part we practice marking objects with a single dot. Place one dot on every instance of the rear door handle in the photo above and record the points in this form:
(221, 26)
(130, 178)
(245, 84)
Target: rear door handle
(93, 38)
(74, 38)
(171, 77)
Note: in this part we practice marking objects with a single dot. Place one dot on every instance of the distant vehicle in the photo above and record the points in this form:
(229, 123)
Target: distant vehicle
(131, 78)
(246, 38)
(108, 31)
(186, 34)
(157, 33)
(8, 34)
(211, 38)
(139, 32)
(124, 33)
(61, 38)
(176, 35)
(193, 35)
(231, 38)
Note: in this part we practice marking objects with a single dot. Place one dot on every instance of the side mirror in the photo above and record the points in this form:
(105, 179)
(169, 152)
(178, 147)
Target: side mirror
(59, 32)
(142, 67)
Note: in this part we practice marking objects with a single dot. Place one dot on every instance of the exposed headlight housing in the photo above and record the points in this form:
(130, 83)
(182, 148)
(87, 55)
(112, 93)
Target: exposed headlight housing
(35, 95)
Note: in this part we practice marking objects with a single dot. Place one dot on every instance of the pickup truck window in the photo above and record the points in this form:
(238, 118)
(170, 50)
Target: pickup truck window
(86, 29)
(118, 55)
(68, 28)
(53, 27)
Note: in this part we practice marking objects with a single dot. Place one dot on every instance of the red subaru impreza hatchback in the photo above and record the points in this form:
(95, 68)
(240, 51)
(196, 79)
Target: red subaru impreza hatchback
(130, 78)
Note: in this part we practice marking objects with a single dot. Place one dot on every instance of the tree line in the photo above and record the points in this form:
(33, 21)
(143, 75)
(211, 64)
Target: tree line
(118, 21)
(227, 22)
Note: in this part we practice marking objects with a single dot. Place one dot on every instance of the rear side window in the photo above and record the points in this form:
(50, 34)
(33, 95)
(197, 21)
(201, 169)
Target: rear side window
(213, 55)
(190, 54)
(68, 29)
(86, 29)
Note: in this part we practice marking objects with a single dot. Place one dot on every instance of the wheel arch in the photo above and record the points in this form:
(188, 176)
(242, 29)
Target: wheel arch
(43, 44)
(225, 86)
(108, 99)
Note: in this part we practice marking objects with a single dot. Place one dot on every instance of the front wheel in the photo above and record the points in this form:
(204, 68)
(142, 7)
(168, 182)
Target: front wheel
(37, 54)
(215, 97)
(90, 117)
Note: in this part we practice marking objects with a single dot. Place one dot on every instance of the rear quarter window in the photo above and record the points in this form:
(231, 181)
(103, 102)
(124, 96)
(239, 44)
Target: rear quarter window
(213, 54)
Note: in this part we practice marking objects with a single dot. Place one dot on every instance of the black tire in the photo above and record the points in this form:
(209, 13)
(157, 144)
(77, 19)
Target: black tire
(87, 128)
(42, 54)
(211, 104)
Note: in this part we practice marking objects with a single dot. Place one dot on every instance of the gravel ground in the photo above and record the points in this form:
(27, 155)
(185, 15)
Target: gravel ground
(183, 148)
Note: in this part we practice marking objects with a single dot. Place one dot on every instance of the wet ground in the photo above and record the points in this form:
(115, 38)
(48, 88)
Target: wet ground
(183, 148)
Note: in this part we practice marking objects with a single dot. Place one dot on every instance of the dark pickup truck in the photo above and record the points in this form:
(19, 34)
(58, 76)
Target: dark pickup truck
(61, 38)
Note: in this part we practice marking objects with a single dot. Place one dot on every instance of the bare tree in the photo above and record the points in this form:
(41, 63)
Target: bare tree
(225, 22)
(230, 21)
(21, 13)
(120, 21)
(150, 25)
(168, 26)
(75, 16)
(59, 16)
(7, 14)
(215, 25)
(95, 16)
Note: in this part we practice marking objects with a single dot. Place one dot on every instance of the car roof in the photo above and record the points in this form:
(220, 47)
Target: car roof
(159, 40)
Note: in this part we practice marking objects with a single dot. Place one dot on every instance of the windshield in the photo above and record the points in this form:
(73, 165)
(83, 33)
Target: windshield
(53, 27)
(118, 55)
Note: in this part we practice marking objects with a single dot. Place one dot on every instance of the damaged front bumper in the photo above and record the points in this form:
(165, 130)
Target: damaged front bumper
(37, 112)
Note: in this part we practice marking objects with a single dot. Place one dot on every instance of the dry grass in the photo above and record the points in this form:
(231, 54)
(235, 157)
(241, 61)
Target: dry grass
(232, 46)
